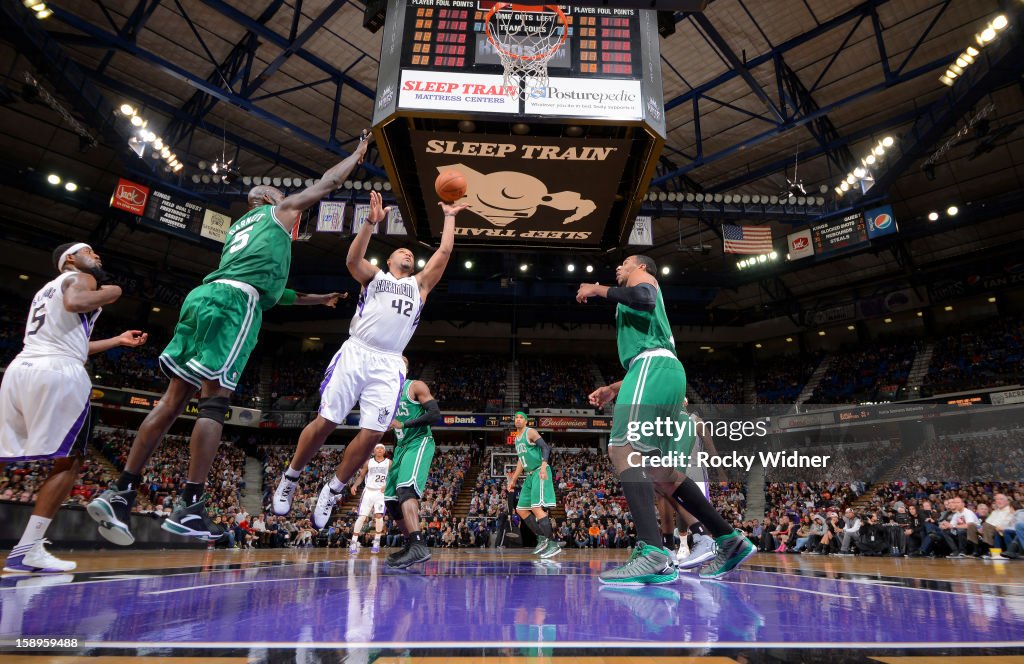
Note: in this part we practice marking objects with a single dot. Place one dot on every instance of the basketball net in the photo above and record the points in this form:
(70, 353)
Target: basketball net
(526, 38)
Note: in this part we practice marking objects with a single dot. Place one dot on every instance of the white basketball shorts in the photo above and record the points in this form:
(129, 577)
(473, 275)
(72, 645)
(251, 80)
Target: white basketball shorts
(44, 409)
(369, 376)
(373, 499)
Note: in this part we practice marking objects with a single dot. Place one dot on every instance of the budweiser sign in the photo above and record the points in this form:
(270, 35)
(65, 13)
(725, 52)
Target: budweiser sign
(562, 422)
(130, 196)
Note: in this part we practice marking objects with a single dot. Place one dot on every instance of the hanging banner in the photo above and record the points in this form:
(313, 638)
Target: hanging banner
(360, 215)
(215, 226)
(799, 245)
(642, 233)
(880, 221)
(396, 226)
(331, 218)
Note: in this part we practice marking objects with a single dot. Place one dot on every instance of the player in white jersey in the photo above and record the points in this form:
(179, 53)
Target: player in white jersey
(44, 397)
(368, 368)
(375, 471)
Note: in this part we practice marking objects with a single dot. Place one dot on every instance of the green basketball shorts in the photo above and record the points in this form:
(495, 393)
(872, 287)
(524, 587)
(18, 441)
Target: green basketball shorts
(410, 467)
(216, 332)
(537, 492)
(649, 414)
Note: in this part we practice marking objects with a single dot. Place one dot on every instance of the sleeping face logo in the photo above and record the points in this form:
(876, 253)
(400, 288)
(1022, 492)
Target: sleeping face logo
(505, 196)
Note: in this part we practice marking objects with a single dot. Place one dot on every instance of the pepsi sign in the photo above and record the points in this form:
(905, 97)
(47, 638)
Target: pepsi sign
(880, 221)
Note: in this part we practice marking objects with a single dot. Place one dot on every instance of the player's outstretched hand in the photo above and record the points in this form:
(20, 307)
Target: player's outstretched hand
(133, 338)
(365, 138)
(353, 491)
(331, 299)
(452, 209)
(377, 209)
(395, 424)
(602, 396)
(587, 291)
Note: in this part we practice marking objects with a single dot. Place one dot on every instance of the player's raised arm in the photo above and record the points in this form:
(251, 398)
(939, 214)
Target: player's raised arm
(432, 271)
(82, 294)
(128, 339)
(361, 269)
(289, 209)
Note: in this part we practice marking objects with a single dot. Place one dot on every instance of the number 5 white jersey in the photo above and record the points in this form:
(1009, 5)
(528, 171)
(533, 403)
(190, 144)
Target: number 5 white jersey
(387, 313)
(52, 330)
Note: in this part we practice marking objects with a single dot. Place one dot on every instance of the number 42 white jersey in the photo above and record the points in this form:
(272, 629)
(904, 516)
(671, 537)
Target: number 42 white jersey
(377, 474)
(387, 313)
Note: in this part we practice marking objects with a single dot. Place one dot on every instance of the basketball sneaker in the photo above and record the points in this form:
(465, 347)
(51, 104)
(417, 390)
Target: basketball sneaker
(417, 553)
(551, 550)
(282, 503)
(542, 543)
(112, 510)
(647, 565)
(324, 506)
(192, 520)
(733, 549)
(35, 559)
(392, 557)
(376, 546)
(703, 550)
(353, 547)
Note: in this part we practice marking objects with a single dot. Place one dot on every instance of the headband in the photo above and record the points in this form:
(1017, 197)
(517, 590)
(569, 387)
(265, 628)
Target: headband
(381, 445)
(73, 249)
(525, 416)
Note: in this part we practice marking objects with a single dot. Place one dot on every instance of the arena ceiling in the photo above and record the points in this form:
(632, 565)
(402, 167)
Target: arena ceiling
(780, 89)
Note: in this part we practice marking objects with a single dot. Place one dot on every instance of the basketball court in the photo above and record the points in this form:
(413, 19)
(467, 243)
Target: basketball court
(269, 606)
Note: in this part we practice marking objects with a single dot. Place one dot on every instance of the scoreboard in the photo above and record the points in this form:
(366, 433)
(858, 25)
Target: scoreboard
(560, 164)
(601, 43)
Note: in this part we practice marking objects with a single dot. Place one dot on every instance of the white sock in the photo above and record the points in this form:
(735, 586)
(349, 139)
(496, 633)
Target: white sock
(376, 538)
(355, 539)
(34, 532)
(292, 471)
(337, 486)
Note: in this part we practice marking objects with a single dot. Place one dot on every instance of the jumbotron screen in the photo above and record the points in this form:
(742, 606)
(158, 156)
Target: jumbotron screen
(450, 35)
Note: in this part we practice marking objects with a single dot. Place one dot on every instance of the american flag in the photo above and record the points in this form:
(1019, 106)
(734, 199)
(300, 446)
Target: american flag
(747, 239)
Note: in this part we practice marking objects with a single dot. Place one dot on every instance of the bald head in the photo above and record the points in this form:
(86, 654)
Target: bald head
(264, 195)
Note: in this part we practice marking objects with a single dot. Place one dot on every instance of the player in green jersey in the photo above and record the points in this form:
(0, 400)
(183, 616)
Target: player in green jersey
(537, 496)
(653, 391)
(217, 329)
(407, 479)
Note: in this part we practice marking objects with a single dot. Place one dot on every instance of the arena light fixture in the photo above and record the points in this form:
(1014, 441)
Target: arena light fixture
(570, 267)
(469, 265)
(155, 310)
(948, 307)
(933, 216)
(920, 314)
(126, 109)
(524, 267)
(439, 341)
(314, 338)
(373, 261)
(757, 345)
(526, 343)
(705, 347)
(851, 327)
(421, 263)
(952, 210)
(23, 277)
(136, 121)
(888, 320)
(821, 333)
(870, 159)
(53, 179)
(665, 270)
(992, 300)
(789, 340)
(590, 268)
(71, 186)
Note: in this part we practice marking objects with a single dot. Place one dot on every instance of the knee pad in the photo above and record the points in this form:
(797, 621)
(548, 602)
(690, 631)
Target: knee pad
(394, 509)
(214, 408)
(406, 493)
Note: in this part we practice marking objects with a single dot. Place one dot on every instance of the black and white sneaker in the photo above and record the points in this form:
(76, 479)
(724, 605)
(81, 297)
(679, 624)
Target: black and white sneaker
(192, 521)
(112, 510)
(417, 553)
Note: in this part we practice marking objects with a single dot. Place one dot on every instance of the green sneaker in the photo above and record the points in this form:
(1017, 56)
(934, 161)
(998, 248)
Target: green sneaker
(552, 549)
(542, 543)
(648, 565)
(733, 549)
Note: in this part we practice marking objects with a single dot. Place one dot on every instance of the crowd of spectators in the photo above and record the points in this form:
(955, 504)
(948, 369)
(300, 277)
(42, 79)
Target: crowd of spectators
(468, 382)
(866, 374)
(556, 382)
(978, 357)
(781, 379)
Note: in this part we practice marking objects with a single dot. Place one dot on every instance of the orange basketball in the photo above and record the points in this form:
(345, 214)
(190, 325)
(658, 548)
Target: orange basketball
(450, 186)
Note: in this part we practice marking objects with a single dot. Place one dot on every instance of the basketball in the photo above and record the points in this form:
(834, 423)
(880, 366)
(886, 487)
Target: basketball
(450, 186)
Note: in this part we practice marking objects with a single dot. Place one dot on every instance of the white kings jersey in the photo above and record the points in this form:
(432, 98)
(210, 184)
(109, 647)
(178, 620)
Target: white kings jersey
(387, 313)
(377, 474)
(52, 330)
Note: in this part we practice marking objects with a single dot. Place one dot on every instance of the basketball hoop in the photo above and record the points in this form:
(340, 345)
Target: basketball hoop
(526, 37)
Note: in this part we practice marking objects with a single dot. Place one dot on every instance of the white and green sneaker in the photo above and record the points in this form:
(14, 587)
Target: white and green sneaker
(551, 550)
(542, 543)
(647, 565)
(733, 549)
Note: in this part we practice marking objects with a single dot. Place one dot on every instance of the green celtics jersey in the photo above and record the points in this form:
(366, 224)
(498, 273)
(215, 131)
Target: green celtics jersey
(257, 251)
(529, 454)
(409, 408)
(637, 331)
